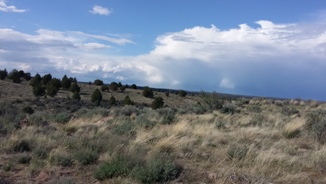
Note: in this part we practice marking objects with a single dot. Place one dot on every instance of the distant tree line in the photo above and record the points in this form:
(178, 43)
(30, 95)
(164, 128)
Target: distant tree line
(15, 75)
(47, 85)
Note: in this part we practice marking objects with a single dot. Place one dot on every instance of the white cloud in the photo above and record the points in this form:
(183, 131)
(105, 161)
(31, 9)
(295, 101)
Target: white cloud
(120, 78)
(5, 8)
(227, 83)
(285, 60)
(100, 10)
(120, 41)
(91, 46)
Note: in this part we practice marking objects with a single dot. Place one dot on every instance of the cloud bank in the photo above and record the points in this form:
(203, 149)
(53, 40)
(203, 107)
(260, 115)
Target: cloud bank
(278, 60)
(5, 8)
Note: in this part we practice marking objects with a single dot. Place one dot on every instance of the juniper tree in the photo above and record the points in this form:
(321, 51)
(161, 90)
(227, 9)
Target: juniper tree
(65, 82)
(158, 103)
(36, 80)
(3, 74)
(98, 82)
(114, 86)
(74, 87)
(76, 95)
(127, 101)
(147, 92)
(46, 79)
(112, 100)
(97, 97)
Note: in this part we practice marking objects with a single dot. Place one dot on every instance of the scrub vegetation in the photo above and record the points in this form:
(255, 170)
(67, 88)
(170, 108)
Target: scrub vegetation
(73, 132)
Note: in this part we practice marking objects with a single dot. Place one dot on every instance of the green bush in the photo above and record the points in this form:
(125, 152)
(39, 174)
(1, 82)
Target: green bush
(167, 115)
(105, 88)
(126, 110)
(254, 108)
(86, 157)
(61, 159)
(3, 128)
(220, 124)
(125, 128)
(228, 108)
(258, 120)
(212, 100)
(119, 166)
(289, 110)
(62, 117)
(238, 152)
(158, 103)
(144, 122)
(10, 116)
(182, 93)
(36, 119)
(316, 125)
(8, 167)
(24, 159)
(22, 146)
(76, 96)
(197, 108)
(28, 110)
(156, 171)
(90, 113)
(41, 152)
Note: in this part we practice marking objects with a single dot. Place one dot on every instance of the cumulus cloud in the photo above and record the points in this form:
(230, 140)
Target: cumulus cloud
(6, 8)
(272, 59)
(280, 60)
(100, 10)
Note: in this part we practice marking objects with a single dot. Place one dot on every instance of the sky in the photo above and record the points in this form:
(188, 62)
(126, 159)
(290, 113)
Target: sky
(257, 48)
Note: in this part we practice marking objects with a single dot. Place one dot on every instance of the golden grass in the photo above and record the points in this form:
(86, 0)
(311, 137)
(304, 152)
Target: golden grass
(293, 128)
(263, 146)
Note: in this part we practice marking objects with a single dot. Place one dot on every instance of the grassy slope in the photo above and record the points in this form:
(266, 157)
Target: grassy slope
(257, 141)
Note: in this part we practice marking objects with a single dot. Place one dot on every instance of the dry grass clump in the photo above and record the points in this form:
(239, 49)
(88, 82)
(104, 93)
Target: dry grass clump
(293, 128)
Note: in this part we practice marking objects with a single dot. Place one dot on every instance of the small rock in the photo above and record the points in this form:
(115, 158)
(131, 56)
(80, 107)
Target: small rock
(42, 177)
(212, 176)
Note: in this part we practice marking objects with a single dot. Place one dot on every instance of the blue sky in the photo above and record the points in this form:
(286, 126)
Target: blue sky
(262, 48)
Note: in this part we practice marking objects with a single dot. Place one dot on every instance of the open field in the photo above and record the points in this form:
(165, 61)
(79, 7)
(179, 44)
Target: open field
(199, 138)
